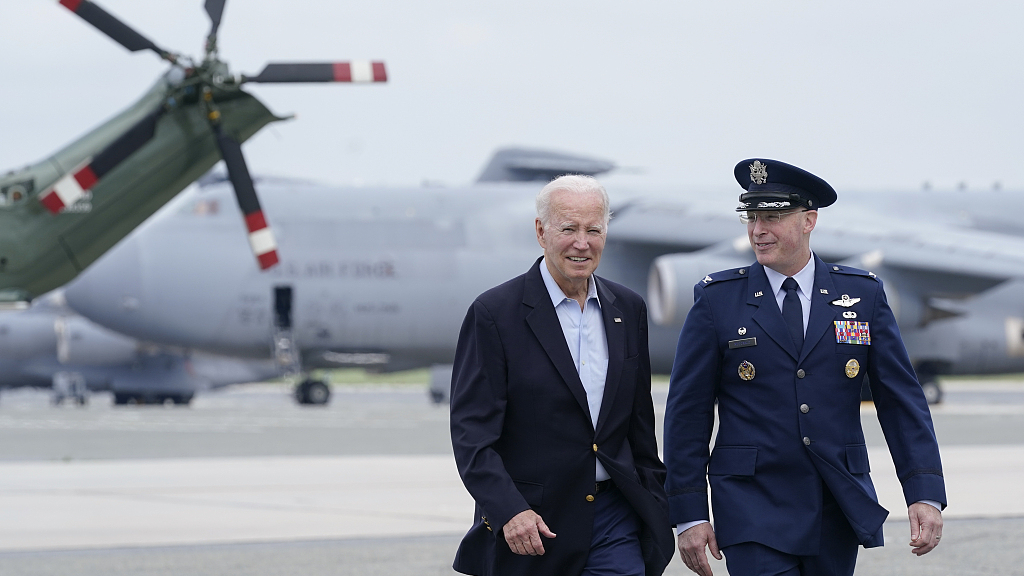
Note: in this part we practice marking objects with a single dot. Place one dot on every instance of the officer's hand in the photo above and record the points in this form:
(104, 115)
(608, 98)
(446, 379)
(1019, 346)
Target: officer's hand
(925, 527)
(691, 547)
(523, 533)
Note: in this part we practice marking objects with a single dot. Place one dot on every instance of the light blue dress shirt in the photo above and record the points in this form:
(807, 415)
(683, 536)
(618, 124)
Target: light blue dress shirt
(584, 335)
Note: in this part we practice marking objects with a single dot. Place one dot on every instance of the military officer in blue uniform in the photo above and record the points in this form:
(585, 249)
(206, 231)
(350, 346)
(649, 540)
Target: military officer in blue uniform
(783, 346)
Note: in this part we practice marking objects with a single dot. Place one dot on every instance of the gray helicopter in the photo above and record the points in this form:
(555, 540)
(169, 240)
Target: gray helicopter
(381, 278)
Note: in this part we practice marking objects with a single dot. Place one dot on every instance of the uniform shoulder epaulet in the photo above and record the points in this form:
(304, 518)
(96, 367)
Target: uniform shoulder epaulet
(724, 275)
(850, 271)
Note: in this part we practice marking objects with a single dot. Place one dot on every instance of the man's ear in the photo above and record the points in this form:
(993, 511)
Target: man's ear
(810, 221)
(540, 232)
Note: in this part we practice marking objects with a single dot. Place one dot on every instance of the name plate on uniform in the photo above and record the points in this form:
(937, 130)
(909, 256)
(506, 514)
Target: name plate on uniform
(742, 343)
(850, 332)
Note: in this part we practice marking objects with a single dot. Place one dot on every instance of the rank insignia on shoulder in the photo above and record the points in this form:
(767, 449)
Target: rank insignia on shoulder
(850, 332)
(707, 279)
(846, 301)
(746, 371)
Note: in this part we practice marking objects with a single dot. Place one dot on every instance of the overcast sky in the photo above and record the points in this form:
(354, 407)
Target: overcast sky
(869, 95)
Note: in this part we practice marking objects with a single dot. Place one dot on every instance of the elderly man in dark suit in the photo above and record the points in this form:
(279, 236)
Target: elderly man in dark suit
(783, 346)
(551, 414)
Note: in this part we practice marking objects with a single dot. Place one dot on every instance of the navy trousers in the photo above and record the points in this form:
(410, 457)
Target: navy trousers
(615, 545)
(836, 557)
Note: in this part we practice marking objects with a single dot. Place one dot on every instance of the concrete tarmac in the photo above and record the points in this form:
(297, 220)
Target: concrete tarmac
(246, 482)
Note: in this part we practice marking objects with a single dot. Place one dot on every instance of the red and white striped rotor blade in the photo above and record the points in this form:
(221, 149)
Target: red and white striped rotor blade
(358, 71)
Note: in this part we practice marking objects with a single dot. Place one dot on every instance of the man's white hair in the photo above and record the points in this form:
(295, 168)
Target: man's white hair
(576, 184)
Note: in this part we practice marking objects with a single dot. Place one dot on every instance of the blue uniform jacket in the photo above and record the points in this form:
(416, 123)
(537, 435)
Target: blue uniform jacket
(796, 423)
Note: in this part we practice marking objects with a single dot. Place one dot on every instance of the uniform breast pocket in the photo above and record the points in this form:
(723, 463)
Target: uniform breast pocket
(852, 361)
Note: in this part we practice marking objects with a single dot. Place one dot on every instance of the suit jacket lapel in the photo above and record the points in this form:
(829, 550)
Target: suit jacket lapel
(768, 316)
(822, 314)
(616, 337)
(544, 322)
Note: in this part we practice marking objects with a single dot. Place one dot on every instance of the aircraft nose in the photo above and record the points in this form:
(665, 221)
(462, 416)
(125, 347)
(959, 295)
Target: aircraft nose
(110, 291)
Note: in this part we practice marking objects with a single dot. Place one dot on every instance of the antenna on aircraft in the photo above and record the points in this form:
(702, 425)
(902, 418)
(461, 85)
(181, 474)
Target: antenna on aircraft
(207, 83)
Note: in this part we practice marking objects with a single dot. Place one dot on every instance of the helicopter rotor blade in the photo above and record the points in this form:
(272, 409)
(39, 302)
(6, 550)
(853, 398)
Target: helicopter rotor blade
(215, 9)
(261, 239)
(354, 71)
(73, 186)
(117, 30)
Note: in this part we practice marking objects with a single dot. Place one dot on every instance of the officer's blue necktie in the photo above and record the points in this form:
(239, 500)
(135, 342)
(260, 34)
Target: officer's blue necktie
(793, 312)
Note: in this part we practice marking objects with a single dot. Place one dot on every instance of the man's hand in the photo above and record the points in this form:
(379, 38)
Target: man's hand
(925, 527)
(691, 548)
(523, 533)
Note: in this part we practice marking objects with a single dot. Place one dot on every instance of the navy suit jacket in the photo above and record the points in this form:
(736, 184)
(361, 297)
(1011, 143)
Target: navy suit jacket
(523, 436)
(796, 424)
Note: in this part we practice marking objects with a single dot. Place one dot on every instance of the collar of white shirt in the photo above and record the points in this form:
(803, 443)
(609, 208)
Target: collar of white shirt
(556, 294)
(804, 279)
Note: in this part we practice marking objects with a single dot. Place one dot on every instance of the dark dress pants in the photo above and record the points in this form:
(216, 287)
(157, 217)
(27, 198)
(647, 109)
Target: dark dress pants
(615, 545)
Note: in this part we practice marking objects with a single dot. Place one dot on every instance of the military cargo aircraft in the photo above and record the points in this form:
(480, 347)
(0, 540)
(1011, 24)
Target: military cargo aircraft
(49, 346)
(59, 215)
(382, 278)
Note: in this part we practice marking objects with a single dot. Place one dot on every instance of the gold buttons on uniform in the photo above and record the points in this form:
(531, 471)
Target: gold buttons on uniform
(805, 408)
(590, 497)
(807, 441)
(595, 447)
(800, 373)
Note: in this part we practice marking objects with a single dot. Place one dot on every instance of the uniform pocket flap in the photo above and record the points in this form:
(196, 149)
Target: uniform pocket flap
(857, 459)
(532, 493)
(733, 461)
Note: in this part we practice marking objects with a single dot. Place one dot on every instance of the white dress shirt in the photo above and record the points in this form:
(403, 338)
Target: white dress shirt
(584, 335)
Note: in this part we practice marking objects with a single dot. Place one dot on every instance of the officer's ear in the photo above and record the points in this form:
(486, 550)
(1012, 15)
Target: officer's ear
(810, 220)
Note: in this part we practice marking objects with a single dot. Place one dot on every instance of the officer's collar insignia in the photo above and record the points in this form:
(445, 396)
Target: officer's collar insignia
(707, 279)
(823, 291)
(758, 172)
(758, 294)
(846, 301)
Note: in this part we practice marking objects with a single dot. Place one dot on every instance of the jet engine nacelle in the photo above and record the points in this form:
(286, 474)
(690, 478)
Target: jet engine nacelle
(672, 276)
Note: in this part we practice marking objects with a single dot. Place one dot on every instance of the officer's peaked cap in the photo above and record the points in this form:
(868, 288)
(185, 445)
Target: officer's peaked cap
(774, 185)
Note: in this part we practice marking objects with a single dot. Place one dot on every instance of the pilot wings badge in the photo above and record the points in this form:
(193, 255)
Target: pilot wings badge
(758, 172)
(846, 301)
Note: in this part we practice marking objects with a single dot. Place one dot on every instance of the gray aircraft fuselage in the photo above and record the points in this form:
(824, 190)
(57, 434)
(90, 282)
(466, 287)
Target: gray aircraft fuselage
(383, 277)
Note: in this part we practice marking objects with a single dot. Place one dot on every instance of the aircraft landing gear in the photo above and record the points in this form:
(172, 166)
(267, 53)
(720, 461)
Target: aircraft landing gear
(312, 392)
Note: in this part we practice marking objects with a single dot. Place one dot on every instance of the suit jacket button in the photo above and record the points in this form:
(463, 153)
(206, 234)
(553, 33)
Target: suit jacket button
(807, 441)
(800, 373)
(595, 447)
(805, 408)
(590, 497)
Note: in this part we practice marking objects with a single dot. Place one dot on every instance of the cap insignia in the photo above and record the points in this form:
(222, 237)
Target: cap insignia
(758, 172)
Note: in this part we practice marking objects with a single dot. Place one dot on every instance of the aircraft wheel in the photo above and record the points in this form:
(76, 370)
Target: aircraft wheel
(932, 391)
(317, 393)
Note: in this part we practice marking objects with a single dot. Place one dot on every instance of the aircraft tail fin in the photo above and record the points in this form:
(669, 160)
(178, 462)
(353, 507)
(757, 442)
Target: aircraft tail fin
(532, 165)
